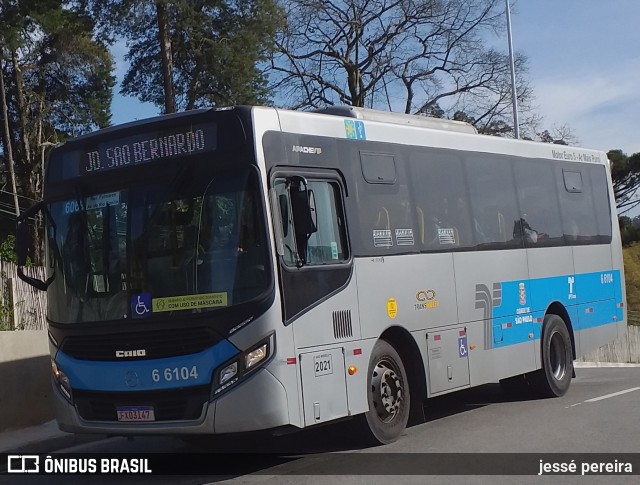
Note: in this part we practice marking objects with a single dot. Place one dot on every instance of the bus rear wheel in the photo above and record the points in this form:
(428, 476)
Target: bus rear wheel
(388, 395)
(554, 378)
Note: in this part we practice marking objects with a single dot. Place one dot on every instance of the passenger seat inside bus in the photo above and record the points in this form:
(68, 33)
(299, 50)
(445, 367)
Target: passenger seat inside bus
(383, 221)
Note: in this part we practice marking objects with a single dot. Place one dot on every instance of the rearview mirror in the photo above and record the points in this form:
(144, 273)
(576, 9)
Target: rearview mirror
(24, 244)
(303, 208)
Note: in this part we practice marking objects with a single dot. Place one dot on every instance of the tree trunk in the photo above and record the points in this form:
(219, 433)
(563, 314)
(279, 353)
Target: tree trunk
(8, 150)
(22, 112)
(167, 58)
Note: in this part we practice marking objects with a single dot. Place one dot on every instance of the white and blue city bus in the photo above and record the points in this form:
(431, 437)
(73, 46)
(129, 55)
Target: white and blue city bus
(231, 270)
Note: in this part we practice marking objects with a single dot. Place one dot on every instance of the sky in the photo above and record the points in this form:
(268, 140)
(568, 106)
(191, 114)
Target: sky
(584, 66)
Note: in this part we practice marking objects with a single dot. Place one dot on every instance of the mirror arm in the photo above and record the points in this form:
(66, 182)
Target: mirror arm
(22, 245)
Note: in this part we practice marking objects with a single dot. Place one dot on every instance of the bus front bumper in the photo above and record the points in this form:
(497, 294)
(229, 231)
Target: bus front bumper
(256, 404)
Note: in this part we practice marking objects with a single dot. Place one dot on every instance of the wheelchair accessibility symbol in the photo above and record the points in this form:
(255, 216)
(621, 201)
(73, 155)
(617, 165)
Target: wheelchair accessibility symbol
(462, 347)
(141, 305)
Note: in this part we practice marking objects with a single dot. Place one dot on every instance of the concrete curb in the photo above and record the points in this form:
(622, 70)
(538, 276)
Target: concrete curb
(586, 365)
(44, 438)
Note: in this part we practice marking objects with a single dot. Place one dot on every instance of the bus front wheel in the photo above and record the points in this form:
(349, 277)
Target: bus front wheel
(388, 395)
(554, 378)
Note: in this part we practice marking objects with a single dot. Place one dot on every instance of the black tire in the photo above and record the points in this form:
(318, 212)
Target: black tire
(388, 395)
(554, 378)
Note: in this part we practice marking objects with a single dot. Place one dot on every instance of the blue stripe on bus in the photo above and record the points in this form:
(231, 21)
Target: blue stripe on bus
(591, 299)
(146, 375)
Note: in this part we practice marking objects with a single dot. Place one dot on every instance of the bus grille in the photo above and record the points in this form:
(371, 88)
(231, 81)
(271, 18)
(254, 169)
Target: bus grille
(172, 405)
(342, 324)
(156, 344)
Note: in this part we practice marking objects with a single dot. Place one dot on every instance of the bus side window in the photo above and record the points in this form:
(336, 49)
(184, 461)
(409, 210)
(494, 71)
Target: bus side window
(577, 204)
(327, 242)
(491, 187)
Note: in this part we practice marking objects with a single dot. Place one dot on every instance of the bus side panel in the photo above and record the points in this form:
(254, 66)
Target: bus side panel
(490, 302)
(416, 292)
(332, 325)
(596, 296)
(544, 263)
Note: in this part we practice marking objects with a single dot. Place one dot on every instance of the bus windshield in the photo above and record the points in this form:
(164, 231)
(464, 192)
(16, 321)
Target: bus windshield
(193, 243)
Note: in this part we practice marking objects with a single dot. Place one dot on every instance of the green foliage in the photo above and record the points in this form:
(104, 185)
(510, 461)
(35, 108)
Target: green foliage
(216, 49)
(7, 249)
(5, 317)
(625, 174)
(64, 74)
(58, 81)
(629, 230)
(6, 312)
(632, 280)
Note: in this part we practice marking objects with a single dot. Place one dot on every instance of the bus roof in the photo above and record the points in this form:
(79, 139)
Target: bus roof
(366, 114)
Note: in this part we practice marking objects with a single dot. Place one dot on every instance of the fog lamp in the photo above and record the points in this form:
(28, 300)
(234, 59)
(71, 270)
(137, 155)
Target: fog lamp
(228, 372)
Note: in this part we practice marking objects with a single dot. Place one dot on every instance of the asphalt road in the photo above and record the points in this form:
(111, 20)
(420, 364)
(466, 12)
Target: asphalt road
(474, 431)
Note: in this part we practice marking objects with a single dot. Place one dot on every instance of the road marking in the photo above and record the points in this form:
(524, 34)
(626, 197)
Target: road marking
(573, 405)
(607, 396)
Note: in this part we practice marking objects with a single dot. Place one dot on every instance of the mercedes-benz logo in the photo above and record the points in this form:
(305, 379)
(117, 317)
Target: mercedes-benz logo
(131, 378)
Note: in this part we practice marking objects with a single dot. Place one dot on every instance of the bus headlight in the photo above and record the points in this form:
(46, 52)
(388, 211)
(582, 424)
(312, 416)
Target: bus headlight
(62, 381)
(232, 372)
(255, 356)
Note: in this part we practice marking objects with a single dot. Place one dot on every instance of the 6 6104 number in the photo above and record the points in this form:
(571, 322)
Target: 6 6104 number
(170, 374)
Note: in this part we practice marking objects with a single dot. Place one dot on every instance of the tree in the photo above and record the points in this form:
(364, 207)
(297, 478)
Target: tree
(57, 81)
(188, 54)
(411, 54)
(625, 174)
(629, 232)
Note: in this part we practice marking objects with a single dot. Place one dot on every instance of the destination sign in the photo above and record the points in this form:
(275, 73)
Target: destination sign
(148, 148)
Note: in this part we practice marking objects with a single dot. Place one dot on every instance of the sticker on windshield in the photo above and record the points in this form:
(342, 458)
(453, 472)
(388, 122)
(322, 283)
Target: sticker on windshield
(141, 305)
(189, 302)
(102, 200)
(92, 203)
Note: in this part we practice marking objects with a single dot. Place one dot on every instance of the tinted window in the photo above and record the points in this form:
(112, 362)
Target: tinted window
(539, 206)
(387, 223)
(579, 223)
(378, 168)
(600, 187)
(193, 246)
(441, 203)
(493, 200)
(572, 180)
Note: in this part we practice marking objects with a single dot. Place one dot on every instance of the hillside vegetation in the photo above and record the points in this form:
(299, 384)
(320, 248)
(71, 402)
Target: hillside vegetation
(631, 256)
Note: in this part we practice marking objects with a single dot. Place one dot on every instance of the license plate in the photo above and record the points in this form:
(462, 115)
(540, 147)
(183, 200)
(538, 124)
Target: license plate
(135, 413)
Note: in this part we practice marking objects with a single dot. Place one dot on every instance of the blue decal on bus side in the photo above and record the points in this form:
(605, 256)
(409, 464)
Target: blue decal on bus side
(591, 299)
(462, 347)
(146, 375)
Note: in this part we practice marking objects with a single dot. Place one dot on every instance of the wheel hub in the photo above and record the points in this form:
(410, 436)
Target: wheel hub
(387, 391)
